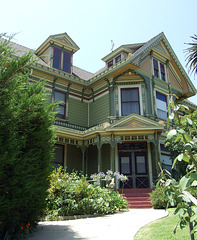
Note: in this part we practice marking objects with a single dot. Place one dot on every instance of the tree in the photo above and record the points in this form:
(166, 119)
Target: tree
(192, 55)
(26, 143)
(182, 137)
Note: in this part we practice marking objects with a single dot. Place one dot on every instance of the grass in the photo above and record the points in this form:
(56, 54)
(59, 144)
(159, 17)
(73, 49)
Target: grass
(163, 229)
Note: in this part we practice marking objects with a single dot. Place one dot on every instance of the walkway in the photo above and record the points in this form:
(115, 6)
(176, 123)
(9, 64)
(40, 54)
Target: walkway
(120, 226)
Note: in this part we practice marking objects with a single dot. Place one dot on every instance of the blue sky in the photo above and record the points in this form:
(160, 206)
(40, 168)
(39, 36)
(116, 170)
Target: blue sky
(92, 24)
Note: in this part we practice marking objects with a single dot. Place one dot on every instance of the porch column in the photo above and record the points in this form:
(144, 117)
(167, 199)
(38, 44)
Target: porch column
(99, 158)
(150, 170)
(83, 149)
(113, 146)
(157, 155)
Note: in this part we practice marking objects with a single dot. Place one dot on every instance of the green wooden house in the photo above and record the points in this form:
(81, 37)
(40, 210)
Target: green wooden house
(113, 119)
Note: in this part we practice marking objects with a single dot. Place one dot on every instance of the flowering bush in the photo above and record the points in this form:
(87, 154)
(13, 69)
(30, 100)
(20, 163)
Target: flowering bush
(72, 194)
(109, 178)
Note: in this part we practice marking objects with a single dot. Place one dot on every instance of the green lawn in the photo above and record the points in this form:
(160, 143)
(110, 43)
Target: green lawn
(162, 229)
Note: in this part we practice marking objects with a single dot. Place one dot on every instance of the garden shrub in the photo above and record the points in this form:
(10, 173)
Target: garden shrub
(26, 144)
(72, 194)
(158, 197)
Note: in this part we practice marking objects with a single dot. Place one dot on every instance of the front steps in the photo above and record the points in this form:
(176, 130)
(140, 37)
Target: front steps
(137, 197)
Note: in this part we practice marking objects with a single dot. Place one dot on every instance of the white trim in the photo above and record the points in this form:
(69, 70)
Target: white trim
(140, 97)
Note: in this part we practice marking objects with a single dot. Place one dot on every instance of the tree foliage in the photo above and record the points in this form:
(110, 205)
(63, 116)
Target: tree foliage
(182, 135)
(26, 142)
(192, 55)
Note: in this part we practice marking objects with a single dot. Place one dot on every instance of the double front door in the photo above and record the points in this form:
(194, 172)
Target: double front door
(133, 164)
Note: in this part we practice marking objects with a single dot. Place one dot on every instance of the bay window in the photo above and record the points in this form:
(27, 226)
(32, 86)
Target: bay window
(161, 102)
(130, 101)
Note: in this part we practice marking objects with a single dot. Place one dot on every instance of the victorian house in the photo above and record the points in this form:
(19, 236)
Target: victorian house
(113, 119)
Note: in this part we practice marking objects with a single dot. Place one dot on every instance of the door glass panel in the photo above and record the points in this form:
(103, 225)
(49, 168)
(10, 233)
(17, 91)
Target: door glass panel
(140, 164)
(125, 165)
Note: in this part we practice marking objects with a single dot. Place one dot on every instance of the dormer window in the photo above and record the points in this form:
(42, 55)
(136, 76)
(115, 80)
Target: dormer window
(117, 59)
(61, 59)
(159, 70)
(110, 63)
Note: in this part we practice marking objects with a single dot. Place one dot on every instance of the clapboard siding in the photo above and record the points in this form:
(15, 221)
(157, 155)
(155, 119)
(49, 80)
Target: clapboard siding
(77, 112)
(74, 158)
(99, 110)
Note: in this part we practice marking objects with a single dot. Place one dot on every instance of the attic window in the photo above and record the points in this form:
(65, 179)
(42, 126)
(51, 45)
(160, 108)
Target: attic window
(159, 70)
(117, 59)
(61, 59)
(110, 63)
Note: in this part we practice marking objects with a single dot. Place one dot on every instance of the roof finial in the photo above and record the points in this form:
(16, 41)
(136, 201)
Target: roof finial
(112, 45)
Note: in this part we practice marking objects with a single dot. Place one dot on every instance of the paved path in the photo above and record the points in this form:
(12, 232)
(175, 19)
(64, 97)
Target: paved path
(120, 226)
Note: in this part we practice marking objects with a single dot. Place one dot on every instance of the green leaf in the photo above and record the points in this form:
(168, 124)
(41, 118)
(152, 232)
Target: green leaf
(168, 182)
(184, 182)
(171, 116)
(182, 224)
(179, 157)
(171, 133)
(194, 176)
(188, 146)
(194, 184)
(181, 131)
(183, 107)
(186, 157)
(189, 121)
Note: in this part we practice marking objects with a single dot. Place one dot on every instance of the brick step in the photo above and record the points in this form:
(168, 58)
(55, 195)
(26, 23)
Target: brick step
(137, 198)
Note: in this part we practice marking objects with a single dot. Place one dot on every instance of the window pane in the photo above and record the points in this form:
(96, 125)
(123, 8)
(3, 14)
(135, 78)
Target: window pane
(57, 58)
(162, 114)
(66, 62)
(118, 58)
(59, 96)
(129, 94)
(125, 165)
(156, 68)
(140, 164)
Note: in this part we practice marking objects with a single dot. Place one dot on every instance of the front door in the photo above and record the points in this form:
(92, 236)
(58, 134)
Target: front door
(133, 164)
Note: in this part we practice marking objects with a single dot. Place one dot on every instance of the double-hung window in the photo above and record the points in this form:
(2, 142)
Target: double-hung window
(130, 101)
(118, 58)
(159, 70)
(161, 102)
(60, 96)
(61, 60)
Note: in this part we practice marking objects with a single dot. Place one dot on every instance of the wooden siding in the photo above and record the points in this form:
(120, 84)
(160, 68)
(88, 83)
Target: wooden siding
(92, 159)
(73, 158)
(105, 156)
(146, 65)
(77, 112)
(99, 110)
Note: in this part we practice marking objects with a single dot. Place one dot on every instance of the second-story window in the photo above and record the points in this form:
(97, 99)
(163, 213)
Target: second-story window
(130, 101)
(162, 71)
(61, 60)
(60, 96)
(161, 102)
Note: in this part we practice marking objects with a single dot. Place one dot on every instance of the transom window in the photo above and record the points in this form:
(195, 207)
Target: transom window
(60, 96)
(130, 101)
(61, 60)
(161, 102)
(159, 70)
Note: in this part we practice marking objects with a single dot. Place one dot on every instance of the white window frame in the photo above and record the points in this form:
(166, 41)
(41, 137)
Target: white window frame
(159, 69)
(119, 98)
(167, 100)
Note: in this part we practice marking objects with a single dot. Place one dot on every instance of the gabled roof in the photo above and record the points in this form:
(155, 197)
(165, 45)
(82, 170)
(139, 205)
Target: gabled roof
(135, 122)
(61, 40)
